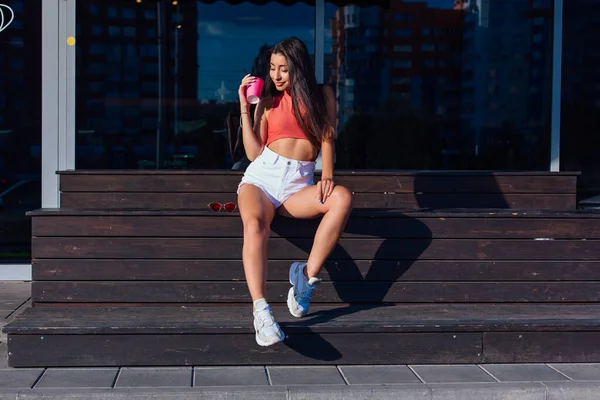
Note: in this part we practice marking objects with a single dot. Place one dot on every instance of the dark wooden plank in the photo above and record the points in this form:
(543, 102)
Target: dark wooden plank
(419, 183)
(487, 184)
(524, 347)
(198, 201)
(149, 183)
(518, 201)
(388, 318)
(328, 292)
(129, 200)
(366, 213)
(381, 227)
(84, 305)
(241, 349)
(338, 270)
(341, 172)
(298, 248)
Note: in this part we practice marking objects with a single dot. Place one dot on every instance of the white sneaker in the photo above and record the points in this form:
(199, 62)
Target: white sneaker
(299, 295)
(267, 329)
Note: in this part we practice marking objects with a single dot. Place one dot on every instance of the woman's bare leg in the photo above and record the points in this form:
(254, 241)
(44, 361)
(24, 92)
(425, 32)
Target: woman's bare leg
(335, 211)
(257, 213)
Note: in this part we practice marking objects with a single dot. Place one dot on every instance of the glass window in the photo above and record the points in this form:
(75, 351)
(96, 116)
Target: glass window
(402, 48)
(20, 129)
(402, 63)
(114, 30)
(96, 30)
(97, 49)
(403, 17)
(18, 64)
(129, 31)
(400, 81)
(17, 6)
(179, 96)
(431, 108)
(129, 13)
(580, 95)
(403, 32)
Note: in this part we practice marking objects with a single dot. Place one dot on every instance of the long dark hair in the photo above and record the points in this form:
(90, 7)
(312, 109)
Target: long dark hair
(308, 101)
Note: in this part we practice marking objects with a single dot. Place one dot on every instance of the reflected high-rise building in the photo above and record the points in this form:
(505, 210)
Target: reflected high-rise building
(581, 54)
(407, 53)
(506, 68)
(130, 48)
(580, 99)
(481, 67)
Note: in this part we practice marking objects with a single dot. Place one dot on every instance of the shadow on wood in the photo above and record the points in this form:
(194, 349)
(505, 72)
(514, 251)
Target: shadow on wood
(318, 348)
(484, 192)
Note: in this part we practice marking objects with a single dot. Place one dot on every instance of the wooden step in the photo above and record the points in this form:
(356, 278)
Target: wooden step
(330, 334)
(193, 190)
(390, 223)
(455, 256)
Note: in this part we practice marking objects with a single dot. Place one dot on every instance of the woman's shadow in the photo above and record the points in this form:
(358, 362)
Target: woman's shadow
(360, 285)
(363, 285)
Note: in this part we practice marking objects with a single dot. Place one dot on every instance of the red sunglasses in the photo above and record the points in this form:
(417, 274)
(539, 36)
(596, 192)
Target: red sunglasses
(216, 207)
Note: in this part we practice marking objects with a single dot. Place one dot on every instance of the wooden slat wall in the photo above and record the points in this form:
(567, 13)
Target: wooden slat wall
(348, 249)
(328, 292)
(398, 334)
(412, 287)
(233, 349)
(199, 201)
(196, 258)
(207, 225)
(304, 349)
(173, 190)
(337, 270)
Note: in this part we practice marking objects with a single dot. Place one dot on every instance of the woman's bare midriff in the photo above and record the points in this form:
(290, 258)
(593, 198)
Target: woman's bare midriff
(294, 149)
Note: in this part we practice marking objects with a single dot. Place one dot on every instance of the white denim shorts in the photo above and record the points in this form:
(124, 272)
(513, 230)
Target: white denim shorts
(277, 176)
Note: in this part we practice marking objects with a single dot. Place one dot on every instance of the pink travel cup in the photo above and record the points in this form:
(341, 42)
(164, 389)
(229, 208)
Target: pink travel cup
(254, 91)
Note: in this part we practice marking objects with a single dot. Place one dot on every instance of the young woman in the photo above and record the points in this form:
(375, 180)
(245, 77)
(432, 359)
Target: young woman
(292, 123)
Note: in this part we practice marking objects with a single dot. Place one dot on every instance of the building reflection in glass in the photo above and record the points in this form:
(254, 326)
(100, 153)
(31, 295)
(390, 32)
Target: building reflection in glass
(430, 84)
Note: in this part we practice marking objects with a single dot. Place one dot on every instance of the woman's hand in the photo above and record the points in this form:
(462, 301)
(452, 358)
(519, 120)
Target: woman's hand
(324, 189)
(247, 80)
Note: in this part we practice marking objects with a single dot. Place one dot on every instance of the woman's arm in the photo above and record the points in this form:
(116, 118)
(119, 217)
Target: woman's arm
(253, 142)
(328, 147)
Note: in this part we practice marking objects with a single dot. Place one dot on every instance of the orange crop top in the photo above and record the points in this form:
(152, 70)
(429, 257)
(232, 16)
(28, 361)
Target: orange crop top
(281, 121)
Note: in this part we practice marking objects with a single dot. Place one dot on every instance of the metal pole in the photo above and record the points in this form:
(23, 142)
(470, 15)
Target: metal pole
(556, 86)
(160, 9)
(176, 97)
(51, 105)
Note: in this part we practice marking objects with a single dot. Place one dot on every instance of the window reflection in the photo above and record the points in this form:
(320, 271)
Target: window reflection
(435, 84)
(20, 127)
(580, 101)
(157, 81)
(420, 84)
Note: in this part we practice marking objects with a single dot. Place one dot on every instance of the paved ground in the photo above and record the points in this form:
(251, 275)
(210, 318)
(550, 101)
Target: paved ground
(460, 382)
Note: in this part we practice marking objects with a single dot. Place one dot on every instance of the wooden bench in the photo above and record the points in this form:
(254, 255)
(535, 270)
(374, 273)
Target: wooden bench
(193, 190)
(163, 283)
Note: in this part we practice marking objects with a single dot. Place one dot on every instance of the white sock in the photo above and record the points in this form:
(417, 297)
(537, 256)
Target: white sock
(260, 304)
